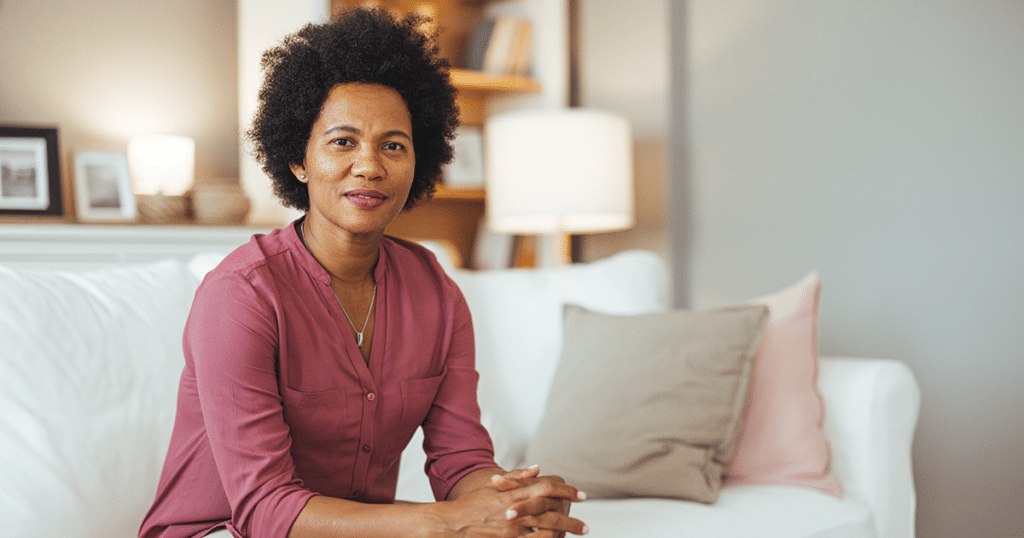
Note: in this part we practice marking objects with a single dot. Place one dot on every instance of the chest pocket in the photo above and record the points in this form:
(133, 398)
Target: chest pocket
(417, 397)
(318, 427)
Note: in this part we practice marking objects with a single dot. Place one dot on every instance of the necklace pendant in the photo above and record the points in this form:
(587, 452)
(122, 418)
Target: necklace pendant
(359, 339)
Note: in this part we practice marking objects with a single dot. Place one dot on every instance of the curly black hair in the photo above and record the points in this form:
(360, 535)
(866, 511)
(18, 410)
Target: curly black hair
(358, 45)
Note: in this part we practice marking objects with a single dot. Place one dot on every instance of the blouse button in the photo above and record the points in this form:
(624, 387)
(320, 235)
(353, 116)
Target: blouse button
(367, 448)
(371, 396)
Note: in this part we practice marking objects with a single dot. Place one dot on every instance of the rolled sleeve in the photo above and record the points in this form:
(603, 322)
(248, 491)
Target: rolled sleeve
(455, 441)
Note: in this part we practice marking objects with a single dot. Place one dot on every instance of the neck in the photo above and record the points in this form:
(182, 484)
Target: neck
(348, 259)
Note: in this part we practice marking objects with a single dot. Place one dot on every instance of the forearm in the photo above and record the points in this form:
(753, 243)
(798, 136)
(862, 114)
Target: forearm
(324, 517)
(485, 502)
(474, 480)
(328, 517)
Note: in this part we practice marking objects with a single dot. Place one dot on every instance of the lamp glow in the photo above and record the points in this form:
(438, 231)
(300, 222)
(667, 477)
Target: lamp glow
(162, 164)
(558, 172)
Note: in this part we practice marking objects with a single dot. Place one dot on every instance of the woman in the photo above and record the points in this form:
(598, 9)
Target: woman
(314, 352)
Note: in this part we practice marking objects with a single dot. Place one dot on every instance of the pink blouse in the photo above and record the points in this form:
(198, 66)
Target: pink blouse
(276, 405)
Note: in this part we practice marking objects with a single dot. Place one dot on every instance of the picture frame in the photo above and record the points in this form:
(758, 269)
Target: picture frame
(30, 178)
(103, 190)
(467, 167)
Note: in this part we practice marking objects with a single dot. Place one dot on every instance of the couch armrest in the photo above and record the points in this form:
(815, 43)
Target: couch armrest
(871, 410)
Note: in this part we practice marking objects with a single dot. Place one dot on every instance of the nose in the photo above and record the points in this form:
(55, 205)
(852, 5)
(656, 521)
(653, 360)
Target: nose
(367, 164)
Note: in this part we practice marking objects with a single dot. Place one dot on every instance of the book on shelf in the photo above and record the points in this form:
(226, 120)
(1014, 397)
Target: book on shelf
(500, 46)
(476, 47)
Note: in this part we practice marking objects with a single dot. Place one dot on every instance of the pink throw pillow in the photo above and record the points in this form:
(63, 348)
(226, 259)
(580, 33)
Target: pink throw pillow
(782, 441)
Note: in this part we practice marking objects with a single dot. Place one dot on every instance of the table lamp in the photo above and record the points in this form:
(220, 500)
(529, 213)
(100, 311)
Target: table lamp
(558, 172)
(162, 168)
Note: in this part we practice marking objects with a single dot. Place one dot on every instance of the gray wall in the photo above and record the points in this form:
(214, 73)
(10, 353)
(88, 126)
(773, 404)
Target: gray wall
(105, 70)
(628, 74)
(881, 143)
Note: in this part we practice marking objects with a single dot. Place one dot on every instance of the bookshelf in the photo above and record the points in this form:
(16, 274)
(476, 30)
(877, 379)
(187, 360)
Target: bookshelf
(454, 215)
(476, 88)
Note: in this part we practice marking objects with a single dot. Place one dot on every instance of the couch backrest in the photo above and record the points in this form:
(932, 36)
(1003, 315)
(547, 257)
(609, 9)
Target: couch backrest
(517, 321)
(90, 366)
(91, 362)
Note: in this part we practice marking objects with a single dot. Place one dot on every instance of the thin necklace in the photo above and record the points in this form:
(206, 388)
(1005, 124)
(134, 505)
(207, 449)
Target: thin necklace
(359, 334)
(373, 298)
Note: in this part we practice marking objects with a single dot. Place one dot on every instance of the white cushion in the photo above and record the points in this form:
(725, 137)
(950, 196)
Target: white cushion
(85, 418)
(517, 320)
(760, 510)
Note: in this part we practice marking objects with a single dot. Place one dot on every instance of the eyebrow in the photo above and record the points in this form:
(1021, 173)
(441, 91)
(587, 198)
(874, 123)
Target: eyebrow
(353, 130)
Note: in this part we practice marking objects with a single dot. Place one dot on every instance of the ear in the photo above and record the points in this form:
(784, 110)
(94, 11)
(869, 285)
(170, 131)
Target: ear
(300, 172)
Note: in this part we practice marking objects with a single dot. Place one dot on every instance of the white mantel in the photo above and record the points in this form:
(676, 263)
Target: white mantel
(81, 246)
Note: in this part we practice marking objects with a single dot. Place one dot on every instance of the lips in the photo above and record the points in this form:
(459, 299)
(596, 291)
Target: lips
(365, 198)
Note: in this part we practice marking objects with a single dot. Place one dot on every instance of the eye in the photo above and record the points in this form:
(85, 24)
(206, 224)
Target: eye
(343, 142)
(394, 146)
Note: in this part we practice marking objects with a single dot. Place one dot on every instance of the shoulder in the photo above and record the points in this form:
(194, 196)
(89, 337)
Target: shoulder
(256, 253)
(408, 255)
(416, 267)
(254, 269)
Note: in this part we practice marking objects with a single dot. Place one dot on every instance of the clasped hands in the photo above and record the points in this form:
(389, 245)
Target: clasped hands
(520, 503)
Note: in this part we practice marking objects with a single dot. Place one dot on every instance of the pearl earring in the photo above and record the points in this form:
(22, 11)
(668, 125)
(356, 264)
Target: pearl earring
(303, 176)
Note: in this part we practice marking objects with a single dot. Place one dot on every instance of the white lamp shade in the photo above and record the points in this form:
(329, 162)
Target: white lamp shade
(555, 171)
(163, 164)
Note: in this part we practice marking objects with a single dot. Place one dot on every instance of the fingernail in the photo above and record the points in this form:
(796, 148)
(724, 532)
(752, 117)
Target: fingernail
(511, 514)
(585, 530)
(534, 466)
(581, 496)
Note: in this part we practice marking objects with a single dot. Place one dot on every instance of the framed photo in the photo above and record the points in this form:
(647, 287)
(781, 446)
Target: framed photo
(467, 168)
(103, 190)
(30, 181)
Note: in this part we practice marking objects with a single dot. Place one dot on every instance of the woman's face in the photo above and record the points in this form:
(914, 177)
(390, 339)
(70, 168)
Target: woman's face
(359, 160)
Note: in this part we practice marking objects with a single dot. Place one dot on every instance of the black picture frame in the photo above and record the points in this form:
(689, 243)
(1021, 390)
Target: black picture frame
(31, 184)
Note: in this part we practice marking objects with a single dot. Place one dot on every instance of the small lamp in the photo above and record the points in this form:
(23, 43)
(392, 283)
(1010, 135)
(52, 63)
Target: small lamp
(162, 169)
(559, 172)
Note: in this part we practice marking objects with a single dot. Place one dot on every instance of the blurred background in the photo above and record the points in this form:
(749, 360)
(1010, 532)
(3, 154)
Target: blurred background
(881, 143)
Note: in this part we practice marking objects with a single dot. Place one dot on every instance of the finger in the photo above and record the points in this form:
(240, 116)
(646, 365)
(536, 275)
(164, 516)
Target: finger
(557, 485)
(514, 479)
(554, 522)
(554, 487)
(546, 487)
(532, 471)
(536, 506)
(544, 533)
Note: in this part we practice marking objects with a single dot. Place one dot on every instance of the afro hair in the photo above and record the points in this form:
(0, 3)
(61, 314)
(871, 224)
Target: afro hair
(360, 45)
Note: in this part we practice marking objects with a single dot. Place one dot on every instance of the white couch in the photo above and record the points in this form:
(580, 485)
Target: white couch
(91, 361)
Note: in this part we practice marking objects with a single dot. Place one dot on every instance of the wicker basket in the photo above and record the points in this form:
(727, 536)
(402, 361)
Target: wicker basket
(219, 204)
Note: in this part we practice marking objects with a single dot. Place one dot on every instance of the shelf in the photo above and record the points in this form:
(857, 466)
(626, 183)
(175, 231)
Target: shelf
(459, 193)
(478, 81)
(475, 88)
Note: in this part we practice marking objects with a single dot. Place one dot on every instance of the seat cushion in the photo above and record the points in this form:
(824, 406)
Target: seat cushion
(751, 511)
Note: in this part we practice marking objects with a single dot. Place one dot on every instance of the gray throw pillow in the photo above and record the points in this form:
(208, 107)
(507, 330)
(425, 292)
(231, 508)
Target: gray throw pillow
(651, 404)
